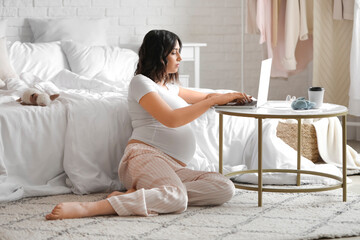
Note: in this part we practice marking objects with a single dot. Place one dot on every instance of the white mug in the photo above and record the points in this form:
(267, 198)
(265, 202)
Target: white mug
(316, 95)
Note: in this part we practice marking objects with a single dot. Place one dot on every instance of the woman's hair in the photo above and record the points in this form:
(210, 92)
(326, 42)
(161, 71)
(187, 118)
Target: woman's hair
(156, 46)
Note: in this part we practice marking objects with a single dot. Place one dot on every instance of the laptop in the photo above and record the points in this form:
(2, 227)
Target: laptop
(263, 91)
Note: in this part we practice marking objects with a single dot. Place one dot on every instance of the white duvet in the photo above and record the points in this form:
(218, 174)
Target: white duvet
(76, 143)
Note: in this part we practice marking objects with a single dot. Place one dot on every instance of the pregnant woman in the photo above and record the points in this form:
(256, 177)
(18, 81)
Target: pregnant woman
(153, 167)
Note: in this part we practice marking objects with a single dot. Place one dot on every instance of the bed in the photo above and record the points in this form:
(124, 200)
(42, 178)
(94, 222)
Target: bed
(75, 144)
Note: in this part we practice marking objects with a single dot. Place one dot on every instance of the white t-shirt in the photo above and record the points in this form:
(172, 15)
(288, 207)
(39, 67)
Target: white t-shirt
(178, 142)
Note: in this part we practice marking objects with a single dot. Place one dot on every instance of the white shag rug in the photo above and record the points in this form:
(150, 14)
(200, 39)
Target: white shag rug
(283, 216)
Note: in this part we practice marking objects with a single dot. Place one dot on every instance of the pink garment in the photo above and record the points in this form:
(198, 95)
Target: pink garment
(251, 26)
(292, 29)
(291, 54)
(263, 20)
(163, 185)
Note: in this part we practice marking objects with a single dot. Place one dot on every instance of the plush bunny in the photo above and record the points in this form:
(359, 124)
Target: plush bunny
(35, 97)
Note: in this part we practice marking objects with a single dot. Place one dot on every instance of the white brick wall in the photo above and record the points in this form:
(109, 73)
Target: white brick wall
(215, 22)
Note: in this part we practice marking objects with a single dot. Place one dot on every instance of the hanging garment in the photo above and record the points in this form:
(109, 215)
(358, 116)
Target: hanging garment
(354, 96)
(343, 9)
(275, 16)
(293, 53)
(251, 26)
(286, 27)
(295, 29)
(263, 20)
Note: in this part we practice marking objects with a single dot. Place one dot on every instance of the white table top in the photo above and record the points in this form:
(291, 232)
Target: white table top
(282, 109)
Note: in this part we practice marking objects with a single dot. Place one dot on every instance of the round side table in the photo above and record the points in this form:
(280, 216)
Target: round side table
(327, 110)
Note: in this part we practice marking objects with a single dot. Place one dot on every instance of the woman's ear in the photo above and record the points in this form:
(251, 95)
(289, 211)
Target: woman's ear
(55, 96)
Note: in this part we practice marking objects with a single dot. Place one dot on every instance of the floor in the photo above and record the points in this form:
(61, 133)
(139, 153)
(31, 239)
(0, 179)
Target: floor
(355, 185)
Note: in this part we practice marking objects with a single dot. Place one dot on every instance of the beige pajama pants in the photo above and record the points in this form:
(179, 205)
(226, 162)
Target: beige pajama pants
(163, 185)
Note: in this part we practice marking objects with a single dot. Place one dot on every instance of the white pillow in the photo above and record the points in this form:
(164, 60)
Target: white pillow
(6, 71)
(43, 60)
(110, 64)
(86, 31)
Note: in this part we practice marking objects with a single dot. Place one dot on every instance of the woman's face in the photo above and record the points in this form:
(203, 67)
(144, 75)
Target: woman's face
(173, 59)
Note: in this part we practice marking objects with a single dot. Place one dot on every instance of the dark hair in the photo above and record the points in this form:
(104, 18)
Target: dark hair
(156, 46)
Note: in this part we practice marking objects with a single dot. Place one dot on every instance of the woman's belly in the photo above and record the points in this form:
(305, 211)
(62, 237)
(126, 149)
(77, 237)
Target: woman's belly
(138, 141)
(179, 143)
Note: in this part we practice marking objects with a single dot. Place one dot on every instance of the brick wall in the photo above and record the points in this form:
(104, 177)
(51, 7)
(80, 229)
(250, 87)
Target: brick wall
(215, 22)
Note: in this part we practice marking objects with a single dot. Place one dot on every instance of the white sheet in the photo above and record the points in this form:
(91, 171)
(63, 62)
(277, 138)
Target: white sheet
(69, 80)
(31, 150)
(38, 145)
(98, 130)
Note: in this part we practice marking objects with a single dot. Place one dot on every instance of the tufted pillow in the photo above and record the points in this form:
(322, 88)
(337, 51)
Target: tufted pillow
(113, 65)
(86, 31)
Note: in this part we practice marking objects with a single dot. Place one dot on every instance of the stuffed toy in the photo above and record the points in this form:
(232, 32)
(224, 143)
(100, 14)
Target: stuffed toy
(33, 96)
(302, 104)
(33, 90)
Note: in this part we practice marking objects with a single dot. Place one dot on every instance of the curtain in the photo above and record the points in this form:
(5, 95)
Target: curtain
(332, 47)
(354, 101)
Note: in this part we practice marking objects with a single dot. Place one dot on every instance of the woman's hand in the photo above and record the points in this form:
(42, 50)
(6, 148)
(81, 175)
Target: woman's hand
(221, 99)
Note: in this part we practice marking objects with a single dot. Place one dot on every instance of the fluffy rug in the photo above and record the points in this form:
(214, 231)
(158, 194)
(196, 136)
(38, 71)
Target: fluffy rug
(283, 216)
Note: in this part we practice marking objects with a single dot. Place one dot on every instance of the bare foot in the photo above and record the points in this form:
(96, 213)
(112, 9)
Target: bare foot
(69, 210)
(117, 193)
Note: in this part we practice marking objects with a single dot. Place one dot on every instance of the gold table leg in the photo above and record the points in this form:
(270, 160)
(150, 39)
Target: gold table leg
(220, 143)
(298, 152)
(344, 157)
(260, 162)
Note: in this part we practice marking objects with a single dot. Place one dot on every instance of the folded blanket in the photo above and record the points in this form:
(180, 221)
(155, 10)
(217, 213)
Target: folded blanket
(329, 138)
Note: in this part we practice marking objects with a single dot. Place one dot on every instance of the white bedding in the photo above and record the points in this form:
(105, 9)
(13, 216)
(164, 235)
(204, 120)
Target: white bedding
(76, 143)
(97, 133)
(73, 145)
(31, 150)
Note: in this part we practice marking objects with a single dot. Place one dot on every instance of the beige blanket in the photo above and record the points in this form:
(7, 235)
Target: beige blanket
(329, 138)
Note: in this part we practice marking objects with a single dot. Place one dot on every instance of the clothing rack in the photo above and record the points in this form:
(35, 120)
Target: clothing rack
(348, 123)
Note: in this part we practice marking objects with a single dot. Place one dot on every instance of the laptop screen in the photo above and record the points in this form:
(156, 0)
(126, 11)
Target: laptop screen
(264, 82)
